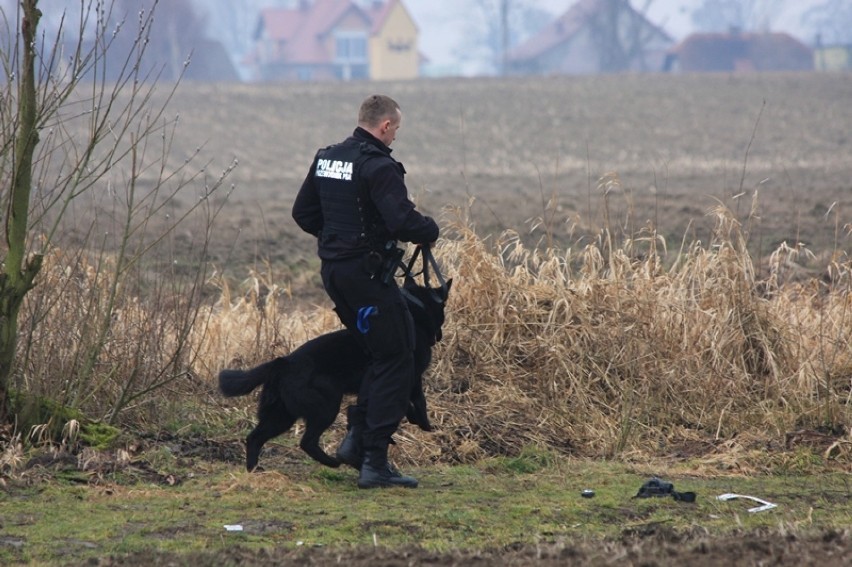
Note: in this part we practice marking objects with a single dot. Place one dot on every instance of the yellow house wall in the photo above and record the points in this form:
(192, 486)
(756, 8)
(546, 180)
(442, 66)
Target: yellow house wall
(832, 59)
(394, 51)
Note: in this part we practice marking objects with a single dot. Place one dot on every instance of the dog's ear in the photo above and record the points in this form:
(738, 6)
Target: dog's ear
(444, 292)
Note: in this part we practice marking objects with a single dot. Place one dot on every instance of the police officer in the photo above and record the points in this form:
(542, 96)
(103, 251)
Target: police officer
(355, 202)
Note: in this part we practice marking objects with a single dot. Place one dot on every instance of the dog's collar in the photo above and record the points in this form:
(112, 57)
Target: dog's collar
(411, 298)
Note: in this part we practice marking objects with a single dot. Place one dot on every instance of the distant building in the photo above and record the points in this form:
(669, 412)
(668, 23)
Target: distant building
(832, 57)
(393, 49)
(738, 51)
(593, 36)
(335, 40)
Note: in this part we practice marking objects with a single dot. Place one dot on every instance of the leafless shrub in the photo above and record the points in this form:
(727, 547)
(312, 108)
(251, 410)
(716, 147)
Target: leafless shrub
(116, 288)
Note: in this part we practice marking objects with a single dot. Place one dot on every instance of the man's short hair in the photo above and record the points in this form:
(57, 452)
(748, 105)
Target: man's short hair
(376, 108)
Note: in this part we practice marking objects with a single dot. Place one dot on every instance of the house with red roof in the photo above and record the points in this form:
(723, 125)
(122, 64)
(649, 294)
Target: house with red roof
(593, 36)
(320, 40)
(741, 52)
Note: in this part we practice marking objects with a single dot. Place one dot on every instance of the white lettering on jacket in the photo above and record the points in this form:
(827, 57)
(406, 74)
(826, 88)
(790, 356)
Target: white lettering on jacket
(334, 169)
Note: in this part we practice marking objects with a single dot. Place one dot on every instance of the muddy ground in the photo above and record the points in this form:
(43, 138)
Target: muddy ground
(656, 548)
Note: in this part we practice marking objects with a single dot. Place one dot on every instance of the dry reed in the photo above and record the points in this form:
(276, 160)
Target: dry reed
(604, 351)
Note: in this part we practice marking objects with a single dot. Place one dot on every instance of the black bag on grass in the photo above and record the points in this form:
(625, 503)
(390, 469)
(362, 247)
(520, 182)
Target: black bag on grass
(657, 487)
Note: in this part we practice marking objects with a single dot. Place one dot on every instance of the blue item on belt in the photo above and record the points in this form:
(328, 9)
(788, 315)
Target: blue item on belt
(364, 315)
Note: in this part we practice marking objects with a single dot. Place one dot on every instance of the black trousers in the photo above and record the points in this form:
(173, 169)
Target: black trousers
(378, 314)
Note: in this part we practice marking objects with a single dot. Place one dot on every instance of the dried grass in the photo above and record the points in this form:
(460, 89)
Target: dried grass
(604, 351)
(245, 326)
(85, 348)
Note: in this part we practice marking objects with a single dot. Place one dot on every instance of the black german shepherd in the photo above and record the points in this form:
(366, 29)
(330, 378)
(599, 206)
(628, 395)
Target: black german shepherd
(311, 381)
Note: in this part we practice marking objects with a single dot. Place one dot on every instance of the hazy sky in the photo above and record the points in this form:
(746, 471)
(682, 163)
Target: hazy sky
(442, 23)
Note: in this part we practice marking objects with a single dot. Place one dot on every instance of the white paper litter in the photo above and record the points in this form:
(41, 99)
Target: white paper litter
(764, 504)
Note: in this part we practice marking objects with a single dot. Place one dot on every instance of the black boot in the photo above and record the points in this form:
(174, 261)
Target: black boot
(376, 472)
(350, 450)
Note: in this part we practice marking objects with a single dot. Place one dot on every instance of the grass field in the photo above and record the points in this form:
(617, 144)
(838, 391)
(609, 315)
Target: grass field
(183, 501)
(631, 299)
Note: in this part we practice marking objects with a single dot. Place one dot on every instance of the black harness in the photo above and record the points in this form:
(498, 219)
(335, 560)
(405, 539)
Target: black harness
(437, 296)
(428, 259)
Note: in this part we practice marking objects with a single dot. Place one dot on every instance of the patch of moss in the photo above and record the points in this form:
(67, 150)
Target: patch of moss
(34, 411)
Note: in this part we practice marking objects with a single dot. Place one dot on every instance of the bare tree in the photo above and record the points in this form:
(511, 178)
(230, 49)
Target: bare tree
(746, 15)
(620, 34)
(496, 26)
(831, 21)
(233, 22)
(16, 168)
(67, 132)
(176, 29)
(177, 32)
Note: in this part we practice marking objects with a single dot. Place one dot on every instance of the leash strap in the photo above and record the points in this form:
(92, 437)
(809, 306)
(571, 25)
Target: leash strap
(428, 259)
(409, 269)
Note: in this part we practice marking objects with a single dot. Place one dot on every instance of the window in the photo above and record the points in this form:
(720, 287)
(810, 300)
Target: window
(351, 47)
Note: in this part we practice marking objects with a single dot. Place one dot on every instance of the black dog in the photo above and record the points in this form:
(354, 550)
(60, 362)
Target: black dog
(311, 381)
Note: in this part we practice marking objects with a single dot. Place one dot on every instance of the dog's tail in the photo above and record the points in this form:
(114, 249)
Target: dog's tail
(234, 383)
